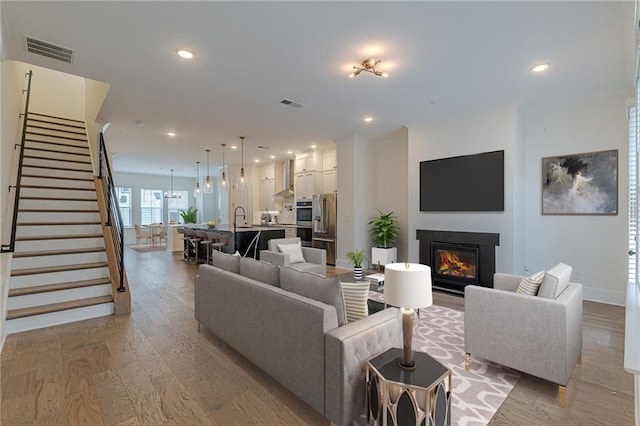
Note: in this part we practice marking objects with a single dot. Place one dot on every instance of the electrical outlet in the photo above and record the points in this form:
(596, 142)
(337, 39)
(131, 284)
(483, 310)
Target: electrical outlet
(526, 269)
(576, 276)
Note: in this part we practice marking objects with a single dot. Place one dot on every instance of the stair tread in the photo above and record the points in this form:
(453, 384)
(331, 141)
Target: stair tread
(68, 169)
(92, 222)
(59, 268)
(84, 154)
(37, 157)
(56, 177)
(54, 116)
(53, 122)
(75, 132)
(71, 145)
(56, 287)
(57, 237)
(17, 255)
(61, 188)
(57, 211)
(58, 198)
(55, 136)
(55, 307)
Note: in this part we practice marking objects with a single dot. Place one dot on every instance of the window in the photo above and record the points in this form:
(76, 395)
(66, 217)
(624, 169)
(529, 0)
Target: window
(150, 206)
(174, 205)
(124, 203)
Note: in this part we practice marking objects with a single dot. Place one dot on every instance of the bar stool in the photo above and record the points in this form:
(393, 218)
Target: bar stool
(217, 240)
(192, 243)
(185, 249)
(204, 240)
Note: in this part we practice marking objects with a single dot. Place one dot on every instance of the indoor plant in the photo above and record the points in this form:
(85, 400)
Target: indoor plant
(384, 230)
(189, 215)
(357, 258)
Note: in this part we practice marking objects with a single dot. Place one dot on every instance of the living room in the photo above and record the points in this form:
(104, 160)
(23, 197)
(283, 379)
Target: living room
(371, 174)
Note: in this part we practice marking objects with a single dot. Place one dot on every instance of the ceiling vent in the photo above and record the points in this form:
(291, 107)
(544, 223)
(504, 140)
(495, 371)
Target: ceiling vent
(290, 103)
(50, 50)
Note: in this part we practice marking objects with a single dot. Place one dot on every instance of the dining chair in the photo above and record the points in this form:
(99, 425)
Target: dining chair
(142, 233)
(162, 234)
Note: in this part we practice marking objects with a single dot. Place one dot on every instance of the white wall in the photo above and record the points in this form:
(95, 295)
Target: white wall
(139, 181)
(595, 246)
(488, 130)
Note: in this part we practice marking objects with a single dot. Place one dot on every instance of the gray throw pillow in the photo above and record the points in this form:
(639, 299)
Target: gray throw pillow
(225, 261)
(260, 271)
(555, 281)
(316, 287)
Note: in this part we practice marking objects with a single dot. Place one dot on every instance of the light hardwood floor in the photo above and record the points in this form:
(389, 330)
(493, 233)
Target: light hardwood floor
(153, 367)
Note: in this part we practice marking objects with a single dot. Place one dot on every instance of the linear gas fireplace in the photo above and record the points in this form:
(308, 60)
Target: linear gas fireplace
(458, 259)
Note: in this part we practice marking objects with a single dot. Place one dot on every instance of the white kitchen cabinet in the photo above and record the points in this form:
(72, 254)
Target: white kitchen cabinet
(329, 161)
(267, 189)
(307, 162)
(329, 181)
(306, 184)
(290, 232)
(267, 172)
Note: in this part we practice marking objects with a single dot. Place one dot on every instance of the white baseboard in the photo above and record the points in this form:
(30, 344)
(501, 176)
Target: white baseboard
(610, 297)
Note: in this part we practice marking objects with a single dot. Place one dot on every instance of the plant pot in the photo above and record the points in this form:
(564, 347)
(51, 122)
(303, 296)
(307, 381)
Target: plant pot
(357, 273)
(383, 256)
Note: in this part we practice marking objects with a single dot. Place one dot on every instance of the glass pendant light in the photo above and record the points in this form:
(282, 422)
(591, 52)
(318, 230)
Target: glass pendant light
(172, 193)
(224, 184)
(196, 189)
(243, 176)
(208, 185)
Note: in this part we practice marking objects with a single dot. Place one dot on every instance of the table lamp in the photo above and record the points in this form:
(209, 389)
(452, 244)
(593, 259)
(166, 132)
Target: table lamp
(407, 286)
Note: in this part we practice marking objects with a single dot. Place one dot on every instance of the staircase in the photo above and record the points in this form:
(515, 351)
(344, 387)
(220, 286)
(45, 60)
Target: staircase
(59, 271)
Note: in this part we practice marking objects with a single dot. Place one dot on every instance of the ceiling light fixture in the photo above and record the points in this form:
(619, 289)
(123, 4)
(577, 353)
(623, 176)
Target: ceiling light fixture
(208, 185)
(272, 157)
(540, 68)
(185, 54)
(172, 193)
(223, 180)
(314, 146)
(243, 175)
(171, 134)
(196, 189)
(368, 65)
(368, 119)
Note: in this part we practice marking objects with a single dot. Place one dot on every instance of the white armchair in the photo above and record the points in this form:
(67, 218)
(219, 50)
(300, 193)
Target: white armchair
(313, 259)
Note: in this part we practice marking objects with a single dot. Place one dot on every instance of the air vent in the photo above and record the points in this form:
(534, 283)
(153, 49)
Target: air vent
(50, 50)
(262, 147)
(290, 103)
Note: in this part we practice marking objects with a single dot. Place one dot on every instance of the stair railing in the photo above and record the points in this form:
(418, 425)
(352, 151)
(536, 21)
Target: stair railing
(9, 248)
(114, 219)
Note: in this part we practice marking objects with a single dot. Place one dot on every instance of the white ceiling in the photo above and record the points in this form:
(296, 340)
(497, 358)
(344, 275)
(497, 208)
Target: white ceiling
(442, 57)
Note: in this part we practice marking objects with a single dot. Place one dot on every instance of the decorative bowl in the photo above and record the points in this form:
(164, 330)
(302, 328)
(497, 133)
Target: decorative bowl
(212, 223)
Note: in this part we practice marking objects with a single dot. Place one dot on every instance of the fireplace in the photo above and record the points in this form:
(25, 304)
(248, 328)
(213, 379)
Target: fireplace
(458, 259)
(454, 262)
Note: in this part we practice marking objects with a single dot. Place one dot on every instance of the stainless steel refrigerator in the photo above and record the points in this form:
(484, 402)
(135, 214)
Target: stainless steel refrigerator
(324, 214)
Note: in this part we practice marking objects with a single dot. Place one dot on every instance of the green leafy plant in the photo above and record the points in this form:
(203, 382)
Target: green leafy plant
(356, 257)
(384, 229)
(189, 215)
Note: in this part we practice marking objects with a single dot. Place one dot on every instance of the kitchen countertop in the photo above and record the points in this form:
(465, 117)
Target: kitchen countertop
(278, 225)
(239, 228)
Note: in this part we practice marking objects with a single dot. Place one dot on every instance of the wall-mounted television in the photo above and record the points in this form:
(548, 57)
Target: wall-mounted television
(471, 183)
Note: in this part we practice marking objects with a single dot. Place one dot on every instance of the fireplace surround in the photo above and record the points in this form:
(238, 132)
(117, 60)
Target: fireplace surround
(458, 259)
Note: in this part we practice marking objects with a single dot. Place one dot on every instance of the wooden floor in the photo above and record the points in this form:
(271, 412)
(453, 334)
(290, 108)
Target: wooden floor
(152, 367)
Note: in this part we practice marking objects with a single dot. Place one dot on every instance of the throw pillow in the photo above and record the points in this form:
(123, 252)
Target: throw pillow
(555, 281)
(260, 271)
(355, 299)
(225, 261)
(316, 287)
(530, 285)
(294, 251)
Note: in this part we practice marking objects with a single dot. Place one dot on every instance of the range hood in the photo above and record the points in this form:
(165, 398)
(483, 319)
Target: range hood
(287, 172)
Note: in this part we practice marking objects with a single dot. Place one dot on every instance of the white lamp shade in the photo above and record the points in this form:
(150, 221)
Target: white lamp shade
(407, 286)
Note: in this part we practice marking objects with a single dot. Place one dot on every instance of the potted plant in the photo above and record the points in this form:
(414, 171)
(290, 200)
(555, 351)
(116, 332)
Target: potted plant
(189, 215)
(384, 230)
(357, 258)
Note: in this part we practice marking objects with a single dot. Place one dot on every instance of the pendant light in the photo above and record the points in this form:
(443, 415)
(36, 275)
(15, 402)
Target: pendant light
(224, 185)
(208, 185)
(243, 175)
(196, 189)
(172, 193)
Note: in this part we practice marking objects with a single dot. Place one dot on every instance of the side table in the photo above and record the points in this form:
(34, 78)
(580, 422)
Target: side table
(399, 397)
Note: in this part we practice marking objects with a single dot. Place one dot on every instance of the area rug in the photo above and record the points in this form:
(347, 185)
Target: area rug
(146, 248)
(477, 394)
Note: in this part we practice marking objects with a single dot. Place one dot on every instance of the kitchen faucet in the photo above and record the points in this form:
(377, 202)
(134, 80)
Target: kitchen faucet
(235, 217)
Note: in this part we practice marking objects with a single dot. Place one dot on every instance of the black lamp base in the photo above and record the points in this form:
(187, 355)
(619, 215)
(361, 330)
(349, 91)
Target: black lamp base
(409, 366)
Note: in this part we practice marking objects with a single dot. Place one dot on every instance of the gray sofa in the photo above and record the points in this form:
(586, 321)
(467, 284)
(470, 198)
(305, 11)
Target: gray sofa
(539, 335)
(301, 342)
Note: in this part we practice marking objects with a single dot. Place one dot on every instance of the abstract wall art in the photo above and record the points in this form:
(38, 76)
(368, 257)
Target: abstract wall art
(584, 183)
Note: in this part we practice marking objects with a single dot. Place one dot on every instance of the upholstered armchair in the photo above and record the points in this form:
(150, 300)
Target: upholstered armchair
(538, 334)
(290, 252)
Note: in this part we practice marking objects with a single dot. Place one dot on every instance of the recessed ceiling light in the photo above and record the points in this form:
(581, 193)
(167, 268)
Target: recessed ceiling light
(171, 134)
(540, 67)
(367, 119)
(185, 54)
(289, 152)
(314, 146)
(256, 160)
(234, 146)
(272, 156)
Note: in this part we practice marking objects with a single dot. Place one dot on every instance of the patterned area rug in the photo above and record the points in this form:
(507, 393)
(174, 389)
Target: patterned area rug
(142, 248)
(477, 394)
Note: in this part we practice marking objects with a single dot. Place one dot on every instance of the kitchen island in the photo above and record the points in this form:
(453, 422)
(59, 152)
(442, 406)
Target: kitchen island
(247, 240)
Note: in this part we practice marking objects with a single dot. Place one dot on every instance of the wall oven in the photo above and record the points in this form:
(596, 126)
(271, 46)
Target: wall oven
(304, 212)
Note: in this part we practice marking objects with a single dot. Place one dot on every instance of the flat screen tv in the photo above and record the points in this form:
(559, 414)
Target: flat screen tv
(469, 183)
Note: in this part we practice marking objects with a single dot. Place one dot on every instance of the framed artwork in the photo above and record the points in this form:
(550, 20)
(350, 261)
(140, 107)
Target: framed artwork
(585, 184)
